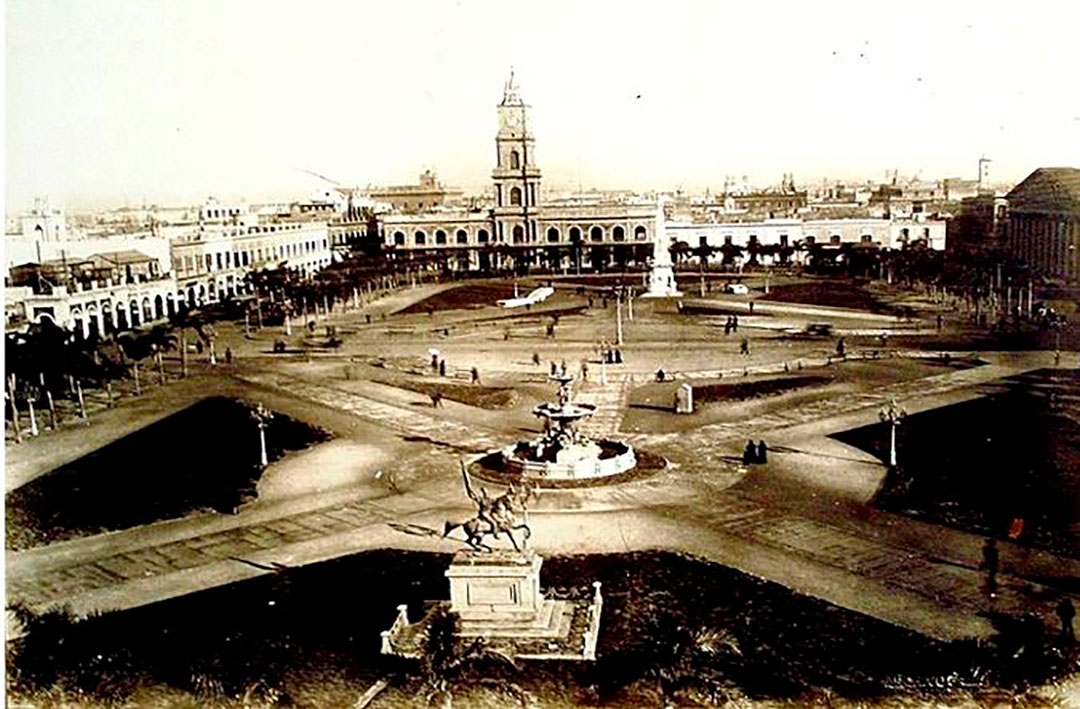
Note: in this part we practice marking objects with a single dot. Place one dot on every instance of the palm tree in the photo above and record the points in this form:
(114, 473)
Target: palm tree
(679, 251)
(450, 663)
(703, 251)
(159, 341)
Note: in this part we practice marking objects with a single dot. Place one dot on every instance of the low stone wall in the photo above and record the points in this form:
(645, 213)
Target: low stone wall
(578, 470)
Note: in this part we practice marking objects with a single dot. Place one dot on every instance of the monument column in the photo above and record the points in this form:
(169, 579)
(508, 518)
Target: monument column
(662, 274)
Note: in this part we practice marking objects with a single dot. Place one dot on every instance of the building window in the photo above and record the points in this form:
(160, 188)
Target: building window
(515, 160)
(809, 240)
(482, 236)
(515, 197)
(575, 235)
(783, 240)
(420, 238)
(618, 234)
(866, 238)
(462, 237)
(209, 262)
(834, 239)
(596, 234)
(639, 233)
(703, 241)
(498, 195)
(440, 237)
(552, 235)
(727, 239)
(519, 234)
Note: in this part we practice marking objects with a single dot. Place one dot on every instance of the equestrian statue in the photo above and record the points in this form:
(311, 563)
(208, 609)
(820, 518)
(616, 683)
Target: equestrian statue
(495, 516)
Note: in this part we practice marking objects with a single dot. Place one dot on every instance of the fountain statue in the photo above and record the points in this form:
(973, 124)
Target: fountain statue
(563, 451)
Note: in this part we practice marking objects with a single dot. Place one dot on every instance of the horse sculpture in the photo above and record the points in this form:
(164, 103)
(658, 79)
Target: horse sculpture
(494, 516)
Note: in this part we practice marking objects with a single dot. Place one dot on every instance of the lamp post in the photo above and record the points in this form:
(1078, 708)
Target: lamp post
(262, 417)
(893, 414)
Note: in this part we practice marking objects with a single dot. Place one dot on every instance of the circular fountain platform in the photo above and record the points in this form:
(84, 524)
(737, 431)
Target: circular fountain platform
(493, 468)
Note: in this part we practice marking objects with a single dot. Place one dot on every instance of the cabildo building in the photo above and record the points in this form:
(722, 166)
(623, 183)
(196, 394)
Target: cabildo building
(518, 230)
(521, 231)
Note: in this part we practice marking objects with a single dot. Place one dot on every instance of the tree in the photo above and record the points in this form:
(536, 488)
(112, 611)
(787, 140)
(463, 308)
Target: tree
(449, 662)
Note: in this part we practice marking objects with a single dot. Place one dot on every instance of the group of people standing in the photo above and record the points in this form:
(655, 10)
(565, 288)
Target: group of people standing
(731, 324)
(755, 453)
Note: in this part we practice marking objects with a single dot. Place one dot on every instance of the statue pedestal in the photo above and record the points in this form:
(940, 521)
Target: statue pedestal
(661, 283)
(497, 596)
(502, 585)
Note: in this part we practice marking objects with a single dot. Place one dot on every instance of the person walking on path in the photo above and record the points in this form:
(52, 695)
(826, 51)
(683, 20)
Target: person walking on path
(744, 347)
(436, 400)
(585, 371)
(536, 358)
(1066, 612)
(840, 348)
(442, 367)
(762, 452)
(475, 375)
(228, 355)
(990, 565)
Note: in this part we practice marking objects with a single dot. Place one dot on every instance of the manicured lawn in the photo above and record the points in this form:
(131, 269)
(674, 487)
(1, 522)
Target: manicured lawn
(204, 457)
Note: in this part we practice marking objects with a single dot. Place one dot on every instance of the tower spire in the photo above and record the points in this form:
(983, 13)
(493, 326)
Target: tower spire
(510, 91)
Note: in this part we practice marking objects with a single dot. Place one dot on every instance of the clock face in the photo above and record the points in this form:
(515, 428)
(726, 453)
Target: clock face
(512, 118)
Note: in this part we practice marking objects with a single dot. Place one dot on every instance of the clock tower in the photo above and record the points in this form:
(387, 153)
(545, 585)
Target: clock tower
(516, 176)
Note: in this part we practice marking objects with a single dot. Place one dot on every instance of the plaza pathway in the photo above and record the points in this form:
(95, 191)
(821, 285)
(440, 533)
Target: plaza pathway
(789, 521)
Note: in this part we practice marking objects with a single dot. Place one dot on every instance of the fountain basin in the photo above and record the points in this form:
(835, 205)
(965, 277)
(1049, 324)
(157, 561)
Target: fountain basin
(595, 459)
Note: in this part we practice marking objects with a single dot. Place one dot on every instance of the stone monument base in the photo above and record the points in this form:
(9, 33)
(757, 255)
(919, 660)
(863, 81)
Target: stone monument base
(497, 596)
(662, 283)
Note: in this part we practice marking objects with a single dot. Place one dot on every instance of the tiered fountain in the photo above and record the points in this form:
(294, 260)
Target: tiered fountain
(563, 453)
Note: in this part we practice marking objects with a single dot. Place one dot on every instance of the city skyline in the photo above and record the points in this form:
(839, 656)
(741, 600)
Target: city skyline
(108, 104)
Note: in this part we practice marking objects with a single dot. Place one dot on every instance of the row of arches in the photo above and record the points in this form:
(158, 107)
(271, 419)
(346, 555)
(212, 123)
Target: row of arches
(442, 237)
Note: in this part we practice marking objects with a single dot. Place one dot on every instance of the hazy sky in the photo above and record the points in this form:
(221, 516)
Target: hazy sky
(111, 101)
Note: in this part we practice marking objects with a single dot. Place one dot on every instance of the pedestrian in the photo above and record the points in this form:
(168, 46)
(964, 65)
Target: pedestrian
(199, 346)
(1057, 358)
(990, 565)
(434, 362)
(436, 399)
(536, 359)
(762, 452)
(1066, 612)
(939, 321)
(554, 369)
(442, 367)
(590, 301)
(368, 318)
(228, 355)
(744, 347)
(660, 375)
(585, 371)
(506, 334)
(618, 356)
(840, 349)
(475, 375)
(734, 323)
(749, 454)
(751, 307)
(563, 367)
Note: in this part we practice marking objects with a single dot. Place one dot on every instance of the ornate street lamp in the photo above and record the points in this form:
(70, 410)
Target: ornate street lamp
(893, 414)
(262, 417)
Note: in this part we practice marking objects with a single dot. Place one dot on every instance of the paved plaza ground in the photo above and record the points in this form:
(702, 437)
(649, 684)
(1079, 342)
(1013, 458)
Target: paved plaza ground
(803, 519)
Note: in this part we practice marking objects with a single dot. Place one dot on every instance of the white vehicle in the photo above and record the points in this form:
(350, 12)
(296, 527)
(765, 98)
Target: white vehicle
(736, 288)
(538, 295)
